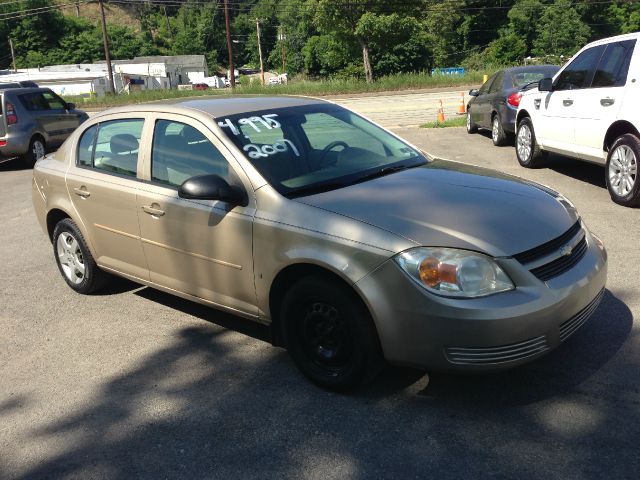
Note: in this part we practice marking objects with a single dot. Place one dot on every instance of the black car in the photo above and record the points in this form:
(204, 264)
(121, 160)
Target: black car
(495, 104)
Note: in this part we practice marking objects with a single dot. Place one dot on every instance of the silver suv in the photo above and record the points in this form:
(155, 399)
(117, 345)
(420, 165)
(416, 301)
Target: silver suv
(34, 120)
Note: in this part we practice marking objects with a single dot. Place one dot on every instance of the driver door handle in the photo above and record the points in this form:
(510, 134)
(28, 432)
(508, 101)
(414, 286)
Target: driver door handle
(567, 102)
(607, 102)
(156, 212)
(82, 192)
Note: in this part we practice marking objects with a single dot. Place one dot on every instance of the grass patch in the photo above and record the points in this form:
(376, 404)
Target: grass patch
(459, 121)
(405, 81)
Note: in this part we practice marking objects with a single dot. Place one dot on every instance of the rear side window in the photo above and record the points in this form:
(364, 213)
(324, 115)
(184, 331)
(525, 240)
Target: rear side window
(34, 102)
(614, 65)
(112, 146)
(579, 72)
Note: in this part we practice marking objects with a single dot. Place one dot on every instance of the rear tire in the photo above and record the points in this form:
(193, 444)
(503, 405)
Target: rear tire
(37, 149)
(330, 334)
(498, 135)
(75, 262)
(528, 151)
(622, 170)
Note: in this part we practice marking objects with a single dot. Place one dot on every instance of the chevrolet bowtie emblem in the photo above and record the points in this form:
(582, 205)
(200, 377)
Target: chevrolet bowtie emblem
(566, 250)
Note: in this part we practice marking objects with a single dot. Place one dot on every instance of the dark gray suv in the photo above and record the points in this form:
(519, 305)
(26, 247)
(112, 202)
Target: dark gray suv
(34, 120)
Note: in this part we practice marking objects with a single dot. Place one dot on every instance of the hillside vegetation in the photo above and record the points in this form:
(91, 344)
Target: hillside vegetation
(365, 39)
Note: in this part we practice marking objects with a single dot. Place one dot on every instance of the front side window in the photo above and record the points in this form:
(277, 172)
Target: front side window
(112, 146)
(496, 86)
(181, 151)
(311, 148)
(578, 73)
(614, 65)
(486, 85)
(54, 101)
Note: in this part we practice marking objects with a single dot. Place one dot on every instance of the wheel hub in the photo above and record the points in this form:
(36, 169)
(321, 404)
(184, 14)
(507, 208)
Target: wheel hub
(623, 169)
(325, 336)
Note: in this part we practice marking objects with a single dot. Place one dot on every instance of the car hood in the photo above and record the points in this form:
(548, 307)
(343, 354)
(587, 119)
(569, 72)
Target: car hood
(454, 205)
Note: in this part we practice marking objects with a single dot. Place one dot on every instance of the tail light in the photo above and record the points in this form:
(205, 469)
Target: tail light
(12, 118)
(514, 99)
(3, 143)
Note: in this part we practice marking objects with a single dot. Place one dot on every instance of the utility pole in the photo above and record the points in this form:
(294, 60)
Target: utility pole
(232, 72)
(282, 37)
(260, 52)
(168, 24)
(13, 55)
(78, 9)
(107, 55)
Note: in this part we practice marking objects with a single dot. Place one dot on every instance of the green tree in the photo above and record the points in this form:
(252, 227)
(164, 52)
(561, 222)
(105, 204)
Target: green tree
(561, 31)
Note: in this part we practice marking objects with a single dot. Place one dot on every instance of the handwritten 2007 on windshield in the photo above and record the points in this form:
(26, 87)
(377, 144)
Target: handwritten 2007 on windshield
(268, 122)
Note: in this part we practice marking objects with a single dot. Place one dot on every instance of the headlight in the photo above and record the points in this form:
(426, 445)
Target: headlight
(454, 273)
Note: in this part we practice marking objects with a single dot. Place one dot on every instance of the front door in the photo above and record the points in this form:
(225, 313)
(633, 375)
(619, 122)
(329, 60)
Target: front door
(599, 105)
(559, 108)
(201, 248)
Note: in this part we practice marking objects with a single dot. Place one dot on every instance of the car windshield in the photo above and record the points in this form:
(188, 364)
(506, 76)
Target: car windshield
(313, 148)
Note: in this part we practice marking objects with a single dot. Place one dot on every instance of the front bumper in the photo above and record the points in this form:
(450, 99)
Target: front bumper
(419, 329)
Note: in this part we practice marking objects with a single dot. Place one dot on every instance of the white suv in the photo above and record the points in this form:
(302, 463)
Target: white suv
(589, 111)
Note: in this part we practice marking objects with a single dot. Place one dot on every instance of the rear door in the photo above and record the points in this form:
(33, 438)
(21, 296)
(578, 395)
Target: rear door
(597, 107)
(103, 187)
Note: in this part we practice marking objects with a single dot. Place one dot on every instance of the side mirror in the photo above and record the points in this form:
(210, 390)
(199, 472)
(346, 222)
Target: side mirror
(212, 187)
(545, 85)
(71, 106)
(474, 92)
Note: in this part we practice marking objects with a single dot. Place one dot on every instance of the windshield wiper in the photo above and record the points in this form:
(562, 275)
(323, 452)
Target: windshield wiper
(312, 189)
(386, 171)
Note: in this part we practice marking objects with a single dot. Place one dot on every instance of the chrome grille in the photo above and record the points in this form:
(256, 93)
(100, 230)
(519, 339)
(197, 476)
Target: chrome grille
(497, 355)
(569, 327)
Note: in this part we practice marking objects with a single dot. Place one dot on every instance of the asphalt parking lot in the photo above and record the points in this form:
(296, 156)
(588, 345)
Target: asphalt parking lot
(134, 383)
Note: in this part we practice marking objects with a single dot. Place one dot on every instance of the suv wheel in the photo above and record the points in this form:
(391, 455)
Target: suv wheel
(36, 151)
(622, 170)
(498, 135)
(471, 127)
(330, 335)
(528, 151)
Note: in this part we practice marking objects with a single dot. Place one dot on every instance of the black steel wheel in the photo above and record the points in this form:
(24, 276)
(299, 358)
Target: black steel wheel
(330, 335)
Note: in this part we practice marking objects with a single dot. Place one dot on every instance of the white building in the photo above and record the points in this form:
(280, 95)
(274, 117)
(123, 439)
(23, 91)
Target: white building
(141, 73)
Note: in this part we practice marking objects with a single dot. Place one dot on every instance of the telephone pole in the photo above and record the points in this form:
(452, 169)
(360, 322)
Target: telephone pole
(260, 52)
(232, 72)
(107, 55)
(13, 55)
(282, 37)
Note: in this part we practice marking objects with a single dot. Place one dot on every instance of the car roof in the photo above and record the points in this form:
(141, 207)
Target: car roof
(24, 89)
(220, 106)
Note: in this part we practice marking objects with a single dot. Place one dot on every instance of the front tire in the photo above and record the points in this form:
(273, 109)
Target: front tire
(75, 262)
(622, 170)
(528, 151)
(498, 135)
(330, 335)
(37, 149)
(471, 127)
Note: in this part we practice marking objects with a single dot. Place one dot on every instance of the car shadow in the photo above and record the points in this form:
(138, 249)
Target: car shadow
(578, 169)
(12, 165)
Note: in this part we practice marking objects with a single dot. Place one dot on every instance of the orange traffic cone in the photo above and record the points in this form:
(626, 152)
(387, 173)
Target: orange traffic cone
(461, 109)
(441, 113)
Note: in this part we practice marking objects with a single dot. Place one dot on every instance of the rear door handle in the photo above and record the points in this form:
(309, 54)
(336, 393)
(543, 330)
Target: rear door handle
(567, 102)
(156, 212)
(607, 102)
(82, 192)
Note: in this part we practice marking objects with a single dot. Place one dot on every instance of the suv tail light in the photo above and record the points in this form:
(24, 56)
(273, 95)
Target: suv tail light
(12, 118)
(3, 143)
(514, 99)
